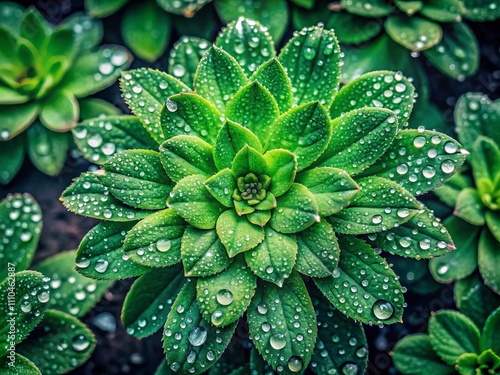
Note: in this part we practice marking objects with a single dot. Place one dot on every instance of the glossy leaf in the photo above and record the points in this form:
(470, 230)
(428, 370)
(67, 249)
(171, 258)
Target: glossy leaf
(99, 8)
(187, 8)
(223, 298)
(271, 317)
(489, 338)
(156, 290)
(488, 258)
(20, 228)
(60, 112)
(98, 139)
(281, 168)
(94, 107)
(185, 56)
(359, 294)
(152, 88)
(202, 253)
(248, 160)
(221, 186)
(312, 81)
(101, 255)
(21, 364)
(87, 31)
(377, 8)
(156, 240)
(480, 11)
(414, 33)
(274, 258)
(469, 207)
(237, 234)
(485, 162)
(16, 118)
(443, 11)
(11, 160)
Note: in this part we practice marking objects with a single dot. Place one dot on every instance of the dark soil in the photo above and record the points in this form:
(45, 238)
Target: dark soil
(119, 353)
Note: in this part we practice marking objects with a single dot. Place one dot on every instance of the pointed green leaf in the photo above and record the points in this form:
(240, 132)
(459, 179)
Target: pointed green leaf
(156, 291)
(74, 293)
(449, 191)
(318, 254)
(224, 298)
(94, 107)
(490, 338)
(295, 211)
(22, 364)
(485, 161)
(424, 160)
(337, 334)
(202, 253)
(47, 149)
(58, 330)
(332, 188)
(20, 228)
(423, 236)
(457, 54)
(248, 42)
(366, 8)
(26, 307)
(187, 8)
(87, 196)
(231, 139)
(254, 108)
(221, 186)
(443, 11)
(152, 88)
(453, 334)
(87, 31)
(156, 240)
(186, 155)
(146, 29)
(12, 15)
(469, 207)
(218, 77)
(34, 27)
(273, 77)
(414, 355)
(274, 258)
(188, 335)
(11, 159)
(304, 130)
(191, 200)
(237, 234)
(281, 168)
(488, 258)
(60, 112)
(137, 178)
(272, 319)
(94, 71)
(185, 56)
(248, 160)
(480, 11)
(101, 255)
(382, 89)
(271, 14)
(310, 80)
(414, 33)
(493, 223)
(99, 139)
(380, 205)
(99, 8)
(9, 95)
(16, 118)
(359, 295)
(461, 262)
(190, 114)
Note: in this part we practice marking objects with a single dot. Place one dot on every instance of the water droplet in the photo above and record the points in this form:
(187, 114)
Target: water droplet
(419, 141)
(262, 308)
(295, 364)
(171, 105)
(224, 297)
(278, 341)
(429, 171)
(217, 318)
(361, 351)
(43, 297)
(101, 265)
(377, 219)
(450, 147)
(26, 307)
(383, 310)
(447, 166)
(442, 268)
(80, 343)
(163, 245)
(349, 368)
(197, 336)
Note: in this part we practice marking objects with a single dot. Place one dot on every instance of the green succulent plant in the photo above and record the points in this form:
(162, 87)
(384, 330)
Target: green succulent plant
(45, 74)
(464, 342)
(39, 329)
(254, 191)
(475, 226)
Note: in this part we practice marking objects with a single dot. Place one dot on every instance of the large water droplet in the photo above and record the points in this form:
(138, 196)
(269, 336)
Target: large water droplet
(262, 308)
(80, 343)
(224, 297)
(217, 318)
(349, 368)
(43, 297)
(295, 364)
(171, 105)
(383, 310)
(101, 265)
(197, 336)
(278, 341)
(163, 245)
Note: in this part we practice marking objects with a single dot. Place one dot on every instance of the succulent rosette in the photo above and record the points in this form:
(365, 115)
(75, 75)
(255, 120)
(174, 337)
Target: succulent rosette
(261, 188)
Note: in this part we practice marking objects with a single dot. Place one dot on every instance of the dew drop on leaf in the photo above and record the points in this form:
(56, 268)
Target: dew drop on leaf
(101, 265)
(171, 105)
(80, 343)
(349, 368)
(262, 308)
(217, 317)
(295, 364)
(224, 297)
(383, 310)
(43, 297)
(278, 341)
(197, 336)
(163, 245)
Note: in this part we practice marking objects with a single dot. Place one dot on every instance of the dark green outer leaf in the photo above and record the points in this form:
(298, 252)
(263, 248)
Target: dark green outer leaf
(457, 55)
(60, 111)
(101, 256)
(137, 178)
(380, 89)
(453, 334)
(367, 8)
(443, 11)
(311, 80)
(482, 10)
(87, 31)
(187, 8)
(490, 338)
(99, 139)
(94, 107)
(218, 77)
(380, 205)
(488, 259)
(359, 138)
(156, 240)
(58, 330)
(449, 191)
(149, 301)
(152, 88)
(184, 328)
(414, 355)
(469, 207)
(12, 13)
(16, 118)
(71, 292)
(29, 305)
(23, 366)
(422, 162)
(248, 42)
(414, 33)
(355, 287)
(20, 228)
(271, 317)
(200, 25)
(99, 8)
(11, 159)
(185, 56)
(485, 162)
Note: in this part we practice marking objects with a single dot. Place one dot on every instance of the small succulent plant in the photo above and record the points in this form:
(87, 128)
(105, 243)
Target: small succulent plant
(464, 342)
(39, 329)
(270, 194)
(475, 226)
(45, 72)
